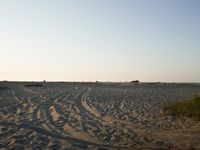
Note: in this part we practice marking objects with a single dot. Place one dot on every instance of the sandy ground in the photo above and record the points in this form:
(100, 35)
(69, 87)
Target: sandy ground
(95, 116)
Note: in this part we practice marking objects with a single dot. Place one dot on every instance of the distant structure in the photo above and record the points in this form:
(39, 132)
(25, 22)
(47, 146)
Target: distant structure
(44, 81)
(135, 81)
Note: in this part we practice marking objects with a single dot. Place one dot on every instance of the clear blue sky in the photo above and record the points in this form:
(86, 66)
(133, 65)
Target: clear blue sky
(105, 40)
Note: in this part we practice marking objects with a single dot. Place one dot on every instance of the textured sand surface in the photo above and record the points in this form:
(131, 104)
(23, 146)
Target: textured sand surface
(95, 116)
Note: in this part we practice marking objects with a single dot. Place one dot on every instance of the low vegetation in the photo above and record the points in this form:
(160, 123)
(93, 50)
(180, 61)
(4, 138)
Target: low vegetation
(33, 85)
(3, 87)
(189, 108)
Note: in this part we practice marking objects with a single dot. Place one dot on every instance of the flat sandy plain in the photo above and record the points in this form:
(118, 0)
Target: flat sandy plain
(97, 116)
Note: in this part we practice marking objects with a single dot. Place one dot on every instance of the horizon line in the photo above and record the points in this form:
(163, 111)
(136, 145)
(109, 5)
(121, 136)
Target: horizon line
(86, 81)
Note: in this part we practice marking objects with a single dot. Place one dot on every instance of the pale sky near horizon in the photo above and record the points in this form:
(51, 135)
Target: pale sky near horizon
(104, 40)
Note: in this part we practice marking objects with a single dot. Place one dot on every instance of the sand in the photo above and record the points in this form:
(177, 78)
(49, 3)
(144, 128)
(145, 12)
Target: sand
(95, 116)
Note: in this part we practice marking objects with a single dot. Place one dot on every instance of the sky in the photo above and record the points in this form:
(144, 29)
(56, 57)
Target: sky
(100, 40)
